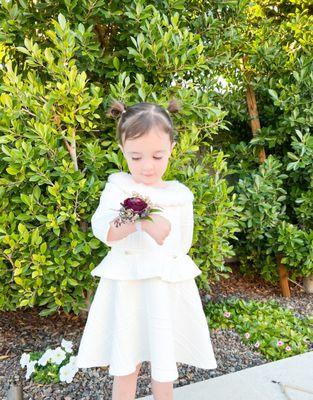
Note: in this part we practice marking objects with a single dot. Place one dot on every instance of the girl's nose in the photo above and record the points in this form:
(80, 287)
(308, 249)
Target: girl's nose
(148, 168)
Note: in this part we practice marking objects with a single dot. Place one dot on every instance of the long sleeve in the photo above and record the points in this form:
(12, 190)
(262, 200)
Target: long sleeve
(106, 211)
(187, 226)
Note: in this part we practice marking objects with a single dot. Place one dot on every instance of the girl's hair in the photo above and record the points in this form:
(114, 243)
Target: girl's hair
(137, 120)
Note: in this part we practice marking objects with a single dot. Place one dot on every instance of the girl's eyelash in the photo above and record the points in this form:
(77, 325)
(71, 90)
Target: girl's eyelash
(157, 158)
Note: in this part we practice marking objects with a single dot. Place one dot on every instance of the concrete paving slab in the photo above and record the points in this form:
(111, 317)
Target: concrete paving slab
(255, 383)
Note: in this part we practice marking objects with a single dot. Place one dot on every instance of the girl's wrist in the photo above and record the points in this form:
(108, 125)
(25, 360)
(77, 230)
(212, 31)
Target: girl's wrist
(144, 224)
(138, 225)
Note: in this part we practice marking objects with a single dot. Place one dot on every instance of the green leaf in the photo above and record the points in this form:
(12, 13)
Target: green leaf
(80, 119)
(142, 94)
(116, 63)
(35, 273)
(72, 281)
(24, 302)
(12, 170)
(62, 21)
(43, 248)
(273, 94)
(23, 50)
(25, 199)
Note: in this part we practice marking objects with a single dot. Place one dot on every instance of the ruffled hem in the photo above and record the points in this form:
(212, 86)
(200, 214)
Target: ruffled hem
(129, 265)
(159, 375)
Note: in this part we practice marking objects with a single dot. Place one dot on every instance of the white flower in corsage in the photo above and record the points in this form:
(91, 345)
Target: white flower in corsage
(135, 208)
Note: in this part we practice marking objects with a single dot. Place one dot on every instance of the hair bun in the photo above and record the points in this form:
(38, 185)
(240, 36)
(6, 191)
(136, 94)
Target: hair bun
(173, 106)
(116, 109)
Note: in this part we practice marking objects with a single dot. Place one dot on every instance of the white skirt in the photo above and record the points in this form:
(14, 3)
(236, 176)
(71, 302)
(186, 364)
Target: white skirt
(146, 320)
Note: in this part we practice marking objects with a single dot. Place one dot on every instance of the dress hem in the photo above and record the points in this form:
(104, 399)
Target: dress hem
(159, 379)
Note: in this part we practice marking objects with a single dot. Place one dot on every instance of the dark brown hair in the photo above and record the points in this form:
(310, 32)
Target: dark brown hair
(137, 120)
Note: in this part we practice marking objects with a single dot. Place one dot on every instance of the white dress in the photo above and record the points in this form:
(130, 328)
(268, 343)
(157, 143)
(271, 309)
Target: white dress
(147, 305)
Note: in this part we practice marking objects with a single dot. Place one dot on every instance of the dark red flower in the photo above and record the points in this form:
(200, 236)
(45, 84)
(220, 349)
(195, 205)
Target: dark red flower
(135, 203)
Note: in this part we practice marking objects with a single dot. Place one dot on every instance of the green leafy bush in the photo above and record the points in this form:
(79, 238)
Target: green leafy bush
(261, 197)
(61, 65)
(271, 45)
(215, 211)
(58, 146)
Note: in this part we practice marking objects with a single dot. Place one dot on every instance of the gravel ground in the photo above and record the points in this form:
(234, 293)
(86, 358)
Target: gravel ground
(24, 331)
(249, 288)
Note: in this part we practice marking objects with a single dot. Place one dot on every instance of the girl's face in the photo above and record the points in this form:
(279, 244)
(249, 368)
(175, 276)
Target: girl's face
(147, 156)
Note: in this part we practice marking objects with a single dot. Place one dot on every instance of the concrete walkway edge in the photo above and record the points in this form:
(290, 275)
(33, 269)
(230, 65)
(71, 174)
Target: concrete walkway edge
(255, 383)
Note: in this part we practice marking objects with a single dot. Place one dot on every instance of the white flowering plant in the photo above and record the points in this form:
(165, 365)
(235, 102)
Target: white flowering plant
(52, 365)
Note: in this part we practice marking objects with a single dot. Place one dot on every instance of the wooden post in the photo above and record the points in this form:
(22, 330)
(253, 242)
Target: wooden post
(283, 277)
(254, 118)
(255, 127)
(15, 392)
(252, 106)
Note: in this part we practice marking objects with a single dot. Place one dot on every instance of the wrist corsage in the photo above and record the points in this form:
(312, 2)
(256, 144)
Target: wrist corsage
(135, 208)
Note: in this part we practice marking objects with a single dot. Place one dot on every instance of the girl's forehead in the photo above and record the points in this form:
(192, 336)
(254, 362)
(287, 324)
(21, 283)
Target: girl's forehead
(140, 152)
(156, 141)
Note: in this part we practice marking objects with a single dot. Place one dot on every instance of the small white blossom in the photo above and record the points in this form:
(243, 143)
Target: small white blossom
(30, 368)
(72, 360)
(67, 345)
(24, 360)
(45, 357)
(67, 373)
(58, 355)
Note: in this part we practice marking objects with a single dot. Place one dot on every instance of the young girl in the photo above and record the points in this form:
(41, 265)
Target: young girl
(147, 306)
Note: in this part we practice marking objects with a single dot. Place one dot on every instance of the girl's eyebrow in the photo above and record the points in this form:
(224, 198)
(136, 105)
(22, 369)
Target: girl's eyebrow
(136, 152)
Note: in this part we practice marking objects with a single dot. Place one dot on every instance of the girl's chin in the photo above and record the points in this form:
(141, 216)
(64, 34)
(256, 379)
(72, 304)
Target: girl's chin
(150, 180)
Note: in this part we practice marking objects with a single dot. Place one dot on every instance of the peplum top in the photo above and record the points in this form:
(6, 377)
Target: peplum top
(138, 255)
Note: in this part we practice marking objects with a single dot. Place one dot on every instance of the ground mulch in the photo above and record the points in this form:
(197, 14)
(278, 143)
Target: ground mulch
(25, 331)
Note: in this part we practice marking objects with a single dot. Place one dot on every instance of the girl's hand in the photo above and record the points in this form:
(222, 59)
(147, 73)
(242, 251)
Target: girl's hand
(158, 229)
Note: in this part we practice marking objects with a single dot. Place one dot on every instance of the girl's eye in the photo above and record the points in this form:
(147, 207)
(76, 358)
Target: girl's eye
(157, 158)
